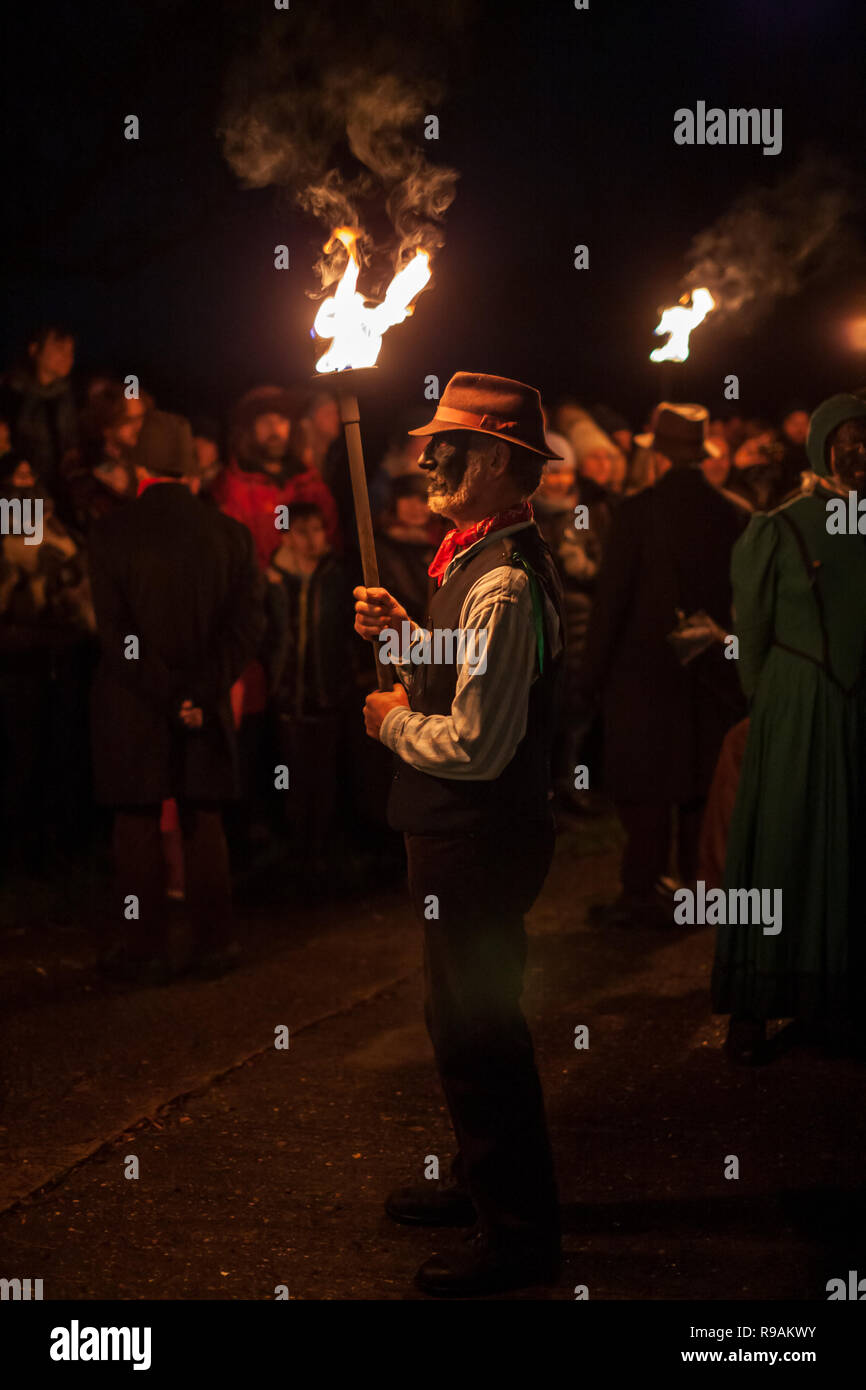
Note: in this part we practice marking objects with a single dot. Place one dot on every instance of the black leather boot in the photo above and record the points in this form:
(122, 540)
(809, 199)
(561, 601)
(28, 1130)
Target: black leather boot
(431, 1206)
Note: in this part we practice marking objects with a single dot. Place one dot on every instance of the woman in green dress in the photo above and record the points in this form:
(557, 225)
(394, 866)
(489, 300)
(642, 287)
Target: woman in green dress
(800, 814)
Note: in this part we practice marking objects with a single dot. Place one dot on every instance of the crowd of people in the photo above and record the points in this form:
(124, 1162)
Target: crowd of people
(641, 527)
(84, 450)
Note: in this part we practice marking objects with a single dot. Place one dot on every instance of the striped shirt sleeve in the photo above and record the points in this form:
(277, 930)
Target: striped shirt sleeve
(478, 738)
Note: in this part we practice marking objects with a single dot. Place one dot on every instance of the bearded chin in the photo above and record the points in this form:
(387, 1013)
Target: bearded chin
(443, 503)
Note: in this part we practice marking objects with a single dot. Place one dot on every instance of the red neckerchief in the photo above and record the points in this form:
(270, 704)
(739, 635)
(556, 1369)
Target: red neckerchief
(145, 483)
(461, 540)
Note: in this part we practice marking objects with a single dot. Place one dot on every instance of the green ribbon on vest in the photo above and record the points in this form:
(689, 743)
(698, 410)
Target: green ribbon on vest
(537, 610)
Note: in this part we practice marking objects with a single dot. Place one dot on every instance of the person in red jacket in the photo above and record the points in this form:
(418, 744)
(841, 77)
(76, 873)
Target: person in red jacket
(265, 472)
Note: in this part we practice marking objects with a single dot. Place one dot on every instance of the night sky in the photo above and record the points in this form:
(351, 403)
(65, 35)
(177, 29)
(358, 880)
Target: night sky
(560, 123)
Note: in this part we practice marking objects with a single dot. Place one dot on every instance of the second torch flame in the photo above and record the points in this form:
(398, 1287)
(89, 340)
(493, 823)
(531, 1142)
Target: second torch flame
(355, 327)
(678, 321)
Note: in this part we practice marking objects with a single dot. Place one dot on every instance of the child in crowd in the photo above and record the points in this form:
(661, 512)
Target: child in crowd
(407, 535)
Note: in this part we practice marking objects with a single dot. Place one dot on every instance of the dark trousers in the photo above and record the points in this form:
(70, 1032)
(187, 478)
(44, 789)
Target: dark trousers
(474, 957)
(309, 746)
(139, 868)
(44, 755)
(646, 856)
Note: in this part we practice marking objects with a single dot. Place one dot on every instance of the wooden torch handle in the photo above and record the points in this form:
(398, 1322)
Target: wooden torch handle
(350, 417)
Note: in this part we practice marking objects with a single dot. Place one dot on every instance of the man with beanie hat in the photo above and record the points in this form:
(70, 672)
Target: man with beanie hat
(177, 595)
(267, 472)
(472, 796)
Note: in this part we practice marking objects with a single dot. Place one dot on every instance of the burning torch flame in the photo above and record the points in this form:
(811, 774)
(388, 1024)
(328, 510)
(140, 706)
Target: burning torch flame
(679, 321)
(355, 327)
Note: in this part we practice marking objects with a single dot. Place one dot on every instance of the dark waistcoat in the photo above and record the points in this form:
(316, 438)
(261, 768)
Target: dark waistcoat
(422, 804)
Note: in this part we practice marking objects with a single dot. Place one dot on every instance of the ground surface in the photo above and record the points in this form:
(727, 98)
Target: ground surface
(262, 1167)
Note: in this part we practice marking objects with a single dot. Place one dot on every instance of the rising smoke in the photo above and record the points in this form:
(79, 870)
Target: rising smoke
(335, 117)
(774, 241)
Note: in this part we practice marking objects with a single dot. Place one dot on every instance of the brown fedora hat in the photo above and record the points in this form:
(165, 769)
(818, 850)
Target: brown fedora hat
(492, 405)
(681, 429)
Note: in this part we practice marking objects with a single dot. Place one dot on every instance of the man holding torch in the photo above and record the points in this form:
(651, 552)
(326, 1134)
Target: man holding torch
(472, 796)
